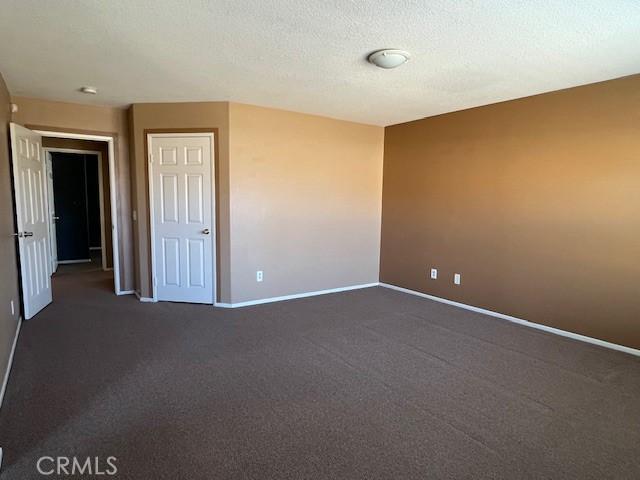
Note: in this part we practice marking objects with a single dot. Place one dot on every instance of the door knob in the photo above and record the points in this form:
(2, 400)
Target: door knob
(205, 231)
(28, 234)
(55, 218)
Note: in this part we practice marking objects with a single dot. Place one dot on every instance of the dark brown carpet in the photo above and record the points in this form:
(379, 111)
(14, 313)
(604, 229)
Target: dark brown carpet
(72, 268)
(369, 384)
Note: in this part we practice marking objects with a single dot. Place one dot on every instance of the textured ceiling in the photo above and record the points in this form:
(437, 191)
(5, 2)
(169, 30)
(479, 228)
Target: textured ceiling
(309, 55)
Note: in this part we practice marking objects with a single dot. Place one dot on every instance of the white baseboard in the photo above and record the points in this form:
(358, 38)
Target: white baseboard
(557, 331)
(294, 296)
(5, 381)
(68, 262)
(126, 292)
(144, 299)
(223, 305)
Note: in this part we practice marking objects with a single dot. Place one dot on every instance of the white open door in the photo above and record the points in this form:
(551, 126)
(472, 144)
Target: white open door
(182, 224)
(32, 212)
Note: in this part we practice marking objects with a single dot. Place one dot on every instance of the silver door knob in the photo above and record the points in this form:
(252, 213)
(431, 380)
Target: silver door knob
(205, 231)
(55, 218)
(28, 234)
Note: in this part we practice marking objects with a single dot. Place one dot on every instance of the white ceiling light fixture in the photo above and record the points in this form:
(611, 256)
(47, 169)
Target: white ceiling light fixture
(389, 58)
(89, 90)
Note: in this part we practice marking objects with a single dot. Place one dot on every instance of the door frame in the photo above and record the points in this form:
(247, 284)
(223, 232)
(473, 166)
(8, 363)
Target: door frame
(113, 193)
(48, 151)
(159, 133)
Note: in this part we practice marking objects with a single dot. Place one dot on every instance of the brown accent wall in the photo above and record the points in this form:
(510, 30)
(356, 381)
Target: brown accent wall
(103, 148)
(536, 202)
(76, 118)
(305, 202)
(145, 117)
(8, 251)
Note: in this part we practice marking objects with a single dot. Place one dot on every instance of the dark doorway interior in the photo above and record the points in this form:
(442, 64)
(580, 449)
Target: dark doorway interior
(77, 205)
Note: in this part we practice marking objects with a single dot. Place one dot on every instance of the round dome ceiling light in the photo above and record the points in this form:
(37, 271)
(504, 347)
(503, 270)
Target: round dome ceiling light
(389, 58)
(89, 90)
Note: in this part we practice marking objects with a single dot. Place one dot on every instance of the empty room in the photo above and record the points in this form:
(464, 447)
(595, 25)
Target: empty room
(319, 240)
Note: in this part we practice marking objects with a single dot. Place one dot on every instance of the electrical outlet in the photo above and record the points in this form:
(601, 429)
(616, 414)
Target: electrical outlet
(434, 273)
(13, 308)
(259, 276)
(456, 278)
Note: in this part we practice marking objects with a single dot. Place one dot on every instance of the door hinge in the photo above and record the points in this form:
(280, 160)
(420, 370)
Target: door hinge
(150, 158)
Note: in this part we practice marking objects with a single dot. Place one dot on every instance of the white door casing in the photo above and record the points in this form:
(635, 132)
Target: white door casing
(113, 197)
(32, 213)
(181, 191)
(52, 214)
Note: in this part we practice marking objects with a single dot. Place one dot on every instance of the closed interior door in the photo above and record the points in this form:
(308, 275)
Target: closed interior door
(32, 213)
(181, 176)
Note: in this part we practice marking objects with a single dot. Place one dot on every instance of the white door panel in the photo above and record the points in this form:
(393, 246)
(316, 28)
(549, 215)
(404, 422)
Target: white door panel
(182, 216)
(32, 214)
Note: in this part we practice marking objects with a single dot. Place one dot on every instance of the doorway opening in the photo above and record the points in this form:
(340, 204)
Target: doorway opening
(79, 208)
(102, 146)
(34, 175)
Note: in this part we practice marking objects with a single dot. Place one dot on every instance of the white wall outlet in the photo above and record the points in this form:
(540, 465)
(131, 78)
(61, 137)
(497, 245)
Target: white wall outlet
(13, 308)
(434, 273)
(456, 278)
(259, 276)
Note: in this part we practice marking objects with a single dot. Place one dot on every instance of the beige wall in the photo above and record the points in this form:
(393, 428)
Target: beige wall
(298, 196)
(175, 117)
(102, 147)
(71, 117)
(305, 202)
(8, 253)
(536, 202)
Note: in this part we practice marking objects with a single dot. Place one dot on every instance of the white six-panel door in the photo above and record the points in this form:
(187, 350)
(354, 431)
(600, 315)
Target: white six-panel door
(32, 212)
(181, 193)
